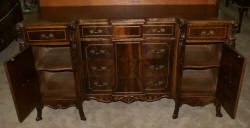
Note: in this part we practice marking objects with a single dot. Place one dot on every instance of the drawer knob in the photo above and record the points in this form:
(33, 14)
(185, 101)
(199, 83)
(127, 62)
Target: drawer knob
(157, 83)
(203, 33)
(154, 51)
(97, 52)
(45, 36)
(102, 68)
(163, 29)
(92, 31)
(211, 32)
(157, 68)
(100, 84)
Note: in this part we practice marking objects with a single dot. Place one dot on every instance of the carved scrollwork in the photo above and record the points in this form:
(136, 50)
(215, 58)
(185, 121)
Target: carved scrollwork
(105, 99)
(151, 98)
(129, 99)
(61, 105)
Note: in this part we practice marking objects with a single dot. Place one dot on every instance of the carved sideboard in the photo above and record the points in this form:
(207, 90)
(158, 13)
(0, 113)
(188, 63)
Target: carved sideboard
(63, 64)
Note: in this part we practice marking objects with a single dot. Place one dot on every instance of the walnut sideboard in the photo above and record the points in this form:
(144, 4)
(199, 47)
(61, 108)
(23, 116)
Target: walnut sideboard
(63, 64)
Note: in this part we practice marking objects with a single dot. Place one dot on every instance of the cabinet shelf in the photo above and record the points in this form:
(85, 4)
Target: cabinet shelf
(57, 85)
(199, 82)
(202, 56)
(53, 58)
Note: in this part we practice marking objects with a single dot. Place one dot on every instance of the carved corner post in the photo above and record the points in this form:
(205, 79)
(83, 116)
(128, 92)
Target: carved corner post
(20, 37)
(180, 62)
(233, 32)
(77, 66)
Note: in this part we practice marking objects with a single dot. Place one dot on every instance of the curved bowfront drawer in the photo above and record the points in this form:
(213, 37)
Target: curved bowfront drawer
(155, 83)
(96, 31)
(47, 35)
(206, 32)
(99, 51)
(159, 30)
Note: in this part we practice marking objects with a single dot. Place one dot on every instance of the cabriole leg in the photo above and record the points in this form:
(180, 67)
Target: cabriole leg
(81, 113)
(176, 110)
(218, 108)
(39, 112)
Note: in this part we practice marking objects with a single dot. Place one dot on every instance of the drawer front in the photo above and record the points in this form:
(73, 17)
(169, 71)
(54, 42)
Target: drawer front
(46, 35)
(100, 83)
(155, 67)
(155, 83)
(126, 31)
(160, 30)
(101, 68)
(99, 51)
(155, 51)
(207, 32)
(96, 31)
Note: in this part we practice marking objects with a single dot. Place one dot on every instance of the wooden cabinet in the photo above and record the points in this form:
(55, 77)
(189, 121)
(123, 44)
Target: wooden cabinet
(211, 71)
(192, 62)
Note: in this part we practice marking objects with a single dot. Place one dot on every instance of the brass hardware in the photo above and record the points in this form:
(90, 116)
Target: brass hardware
(154, 67)
(98, 68)
(203, 33)
(97, 52)
(49, 36)
(100, 84)
(12, 59)
(158, 51)
(157, 83)
(100, 31)
(211, 32)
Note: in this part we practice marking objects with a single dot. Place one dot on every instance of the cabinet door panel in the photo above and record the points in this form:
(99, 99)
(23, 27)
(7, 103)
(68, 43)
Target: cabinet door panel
(230, 79)
(23, 82)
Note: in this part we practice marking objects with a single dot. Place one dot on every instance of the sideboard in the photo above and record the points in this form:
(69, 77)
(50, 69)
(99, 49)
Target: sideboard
(62, 64)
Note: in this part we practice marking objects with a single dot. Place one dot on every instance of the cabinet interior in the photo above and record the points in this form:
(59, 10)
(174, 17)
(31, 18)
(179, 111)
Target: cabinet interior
(200, 82)
(54, 69)
(52, 58)
(203, 56)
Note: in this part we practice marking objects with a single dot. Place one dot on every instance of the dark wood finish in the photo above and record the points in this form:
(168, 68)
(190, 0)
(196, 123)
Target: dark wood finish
(22, 77)
(230, 80)
(129, 60)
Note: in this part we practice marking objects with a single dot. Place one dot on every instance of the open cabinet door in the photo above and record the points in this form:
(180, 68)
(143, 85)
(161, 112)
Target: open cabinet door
(230, 79)
(23, 83)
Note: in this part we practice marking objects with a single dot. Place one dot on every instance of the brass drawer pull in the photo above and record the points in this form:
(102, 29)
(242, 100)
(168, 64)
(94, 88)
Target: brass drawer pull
(210, 33)
(100, 84)
(102, 68)
(47, 36)
(92, 31)
(156, 68)
(154, 51)
(161, 30)
(157, 83)
(97, 52)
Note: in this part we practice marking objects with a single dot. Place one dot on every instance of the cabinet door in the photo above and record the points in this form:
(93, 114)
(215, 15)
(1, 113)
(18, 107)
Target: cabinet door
(230, 79)
(23, 83)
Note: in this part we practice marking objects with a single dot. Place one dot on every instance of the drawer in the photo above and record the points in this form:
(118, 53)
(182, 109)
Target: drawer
(101, 68)
(126, 31)
(96, 31)
(53, 35)
(155, 51)
(159, 30)
(100, 83)
(99, 51)
(155, 67)
(155, 83)
(207, 32)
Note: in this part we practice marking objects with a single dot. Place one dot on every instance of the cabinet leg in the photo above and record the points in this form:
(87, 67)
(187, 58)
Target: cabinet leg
(39, 112)
(218, 108)
(176, 110)
(81, 113)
